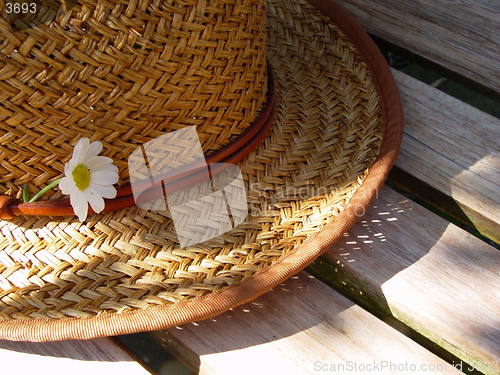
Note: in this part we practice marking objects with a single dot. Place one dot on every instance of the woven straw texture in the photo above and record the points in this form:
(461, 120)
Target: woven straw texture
(135, 70)
(327, 134)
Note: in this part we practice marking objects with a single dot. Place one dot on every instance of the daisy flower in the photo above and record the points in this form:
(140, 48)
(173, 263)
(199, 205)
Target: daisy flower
(88, 178)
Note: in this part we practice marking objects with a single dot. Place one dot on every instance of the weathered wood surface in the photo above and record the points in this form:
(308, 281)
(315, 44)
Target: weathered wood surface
(300, 327)
(438, 279)
(461, 35)
(98, 356)
(455, 148)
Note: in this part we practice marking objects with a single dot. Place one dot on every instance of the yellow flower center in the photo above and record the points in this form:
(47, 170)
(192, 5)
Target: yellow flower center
(81, 176)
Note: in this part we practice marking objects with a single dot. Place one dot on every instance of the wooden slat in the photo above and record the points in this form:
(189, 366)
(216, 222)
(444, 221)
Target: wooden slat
(455, 148)
(463, 36)
(297, 328)
(403, 260)
(98, 356)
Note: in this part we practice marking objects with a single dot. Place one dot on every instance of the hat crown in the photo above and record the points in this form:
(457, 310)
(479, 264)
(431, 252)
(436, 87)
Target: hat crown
(125, 75)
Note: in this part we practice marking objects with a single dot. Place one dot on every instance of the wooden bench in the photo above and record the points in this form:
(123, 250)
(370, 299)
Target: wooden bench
(407, 289)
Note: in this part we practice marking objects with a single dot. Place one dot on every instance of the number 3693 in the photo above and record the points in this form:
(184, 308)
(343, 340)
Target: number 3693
(20, 8)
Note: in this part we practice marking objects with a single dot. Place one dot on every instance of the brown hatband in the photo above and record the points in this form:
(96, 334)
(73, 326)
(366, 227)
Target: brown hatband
(182, 178)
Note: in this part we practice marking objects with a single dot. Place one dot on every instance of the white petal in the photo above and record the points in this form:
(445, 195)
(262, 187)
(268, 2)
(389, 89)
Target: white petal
(80, 150)
(108, 192)
(103, 177)
(94, 149)
(109, 168)
(79, 204)
(98, 162)
(95, 200)
(67, 185)
(69, 167)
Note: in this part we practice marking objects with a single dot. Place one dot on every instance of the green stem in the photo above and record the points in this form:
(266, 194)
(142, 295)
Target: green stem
(44, 190)
(25, 193)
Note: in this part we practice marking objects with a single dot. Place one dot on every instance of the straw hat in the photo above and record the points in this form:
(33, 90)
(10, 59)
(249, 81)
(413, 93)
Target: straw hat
(311, 135)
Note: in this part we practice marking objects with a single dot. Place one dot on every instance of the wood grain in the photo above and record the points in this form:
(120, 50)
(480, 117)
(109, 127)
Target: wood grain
(428, 273)
(455, 148)
(97, 356)
(296, 328)
(461, 35)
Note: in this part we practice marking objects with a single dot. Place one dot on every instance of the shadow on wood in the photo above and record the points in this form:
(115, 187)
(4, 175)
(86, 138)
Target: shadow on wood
(400, 260)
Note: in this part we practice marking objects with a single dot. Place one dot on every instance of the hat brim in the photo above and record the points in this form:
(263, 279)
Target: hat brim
(376, 143)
